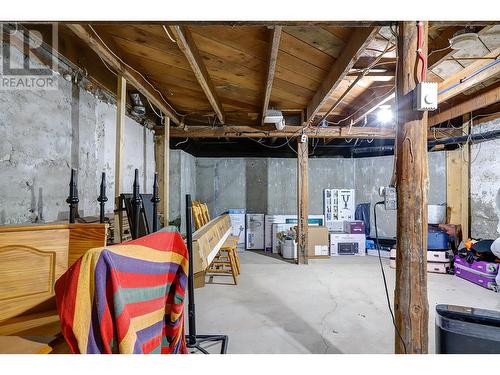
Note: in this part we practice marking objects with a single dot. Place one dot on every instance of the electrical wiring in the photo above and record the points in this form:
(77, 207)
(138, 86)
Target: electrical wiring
(470, 76)
(376, 97)
(420, 42)
(168, 34)
(268, 146)
(384, 278)
(439, 50)
(181, 142)
(135, 70)
(106, 65)
(388, 48)
(159, 115)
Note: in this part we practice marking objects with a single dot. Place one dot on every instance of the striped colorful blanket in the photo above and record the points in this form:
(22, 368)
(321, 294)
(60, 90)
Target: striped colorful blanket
(126, 298)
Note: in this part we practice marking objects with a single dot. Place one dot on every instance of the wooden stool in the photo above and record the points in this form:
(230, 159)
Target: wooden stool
(227, 260)
(232, 243)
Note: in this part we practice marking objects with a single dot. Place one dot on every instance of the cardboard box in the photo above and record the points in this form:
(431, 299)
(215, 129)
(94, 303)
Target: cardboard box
(347, 244)
(238, 225)
(199, 279)
(354, 227)
(312, 220)
(269, 233)
(255, 231)
(208, 240)
(317, 242)
(338, 206)
(374, 253)
(269, 220)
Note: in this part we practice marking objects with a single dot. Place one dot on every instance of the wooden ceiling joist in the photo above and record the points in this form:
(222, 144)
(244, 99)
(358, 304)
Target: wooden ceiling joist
(273, 57)
(438, 51)
(482, 99)
(350, 54)
(289, 131)
(122, 68)
(439, 48)
(383, 99)
(187, 45)
(479, 72)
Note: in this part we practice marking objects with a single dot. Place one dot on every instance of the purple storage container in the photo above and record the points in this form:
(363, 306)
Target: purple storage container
(480, 273)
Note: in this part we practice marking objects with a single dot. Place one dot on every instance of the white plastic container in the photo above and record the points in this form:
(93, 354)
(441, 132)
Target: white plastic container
(289, 249)
(436, 213)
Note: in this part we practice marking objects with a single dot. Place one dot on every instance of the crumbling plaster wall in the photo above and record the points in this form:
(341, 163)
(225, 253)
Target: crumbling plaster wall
(485, 184)
(45, 133)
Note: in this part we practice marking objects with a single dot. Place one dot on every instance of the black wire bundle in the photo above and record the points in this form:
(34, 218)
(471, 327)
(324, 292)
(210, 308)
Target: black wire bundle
(383, 275)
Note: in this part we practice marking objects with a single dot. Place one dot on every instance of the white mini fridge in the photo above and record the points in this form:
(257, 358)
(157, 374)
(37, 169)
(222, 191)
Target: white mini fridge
(255, 232)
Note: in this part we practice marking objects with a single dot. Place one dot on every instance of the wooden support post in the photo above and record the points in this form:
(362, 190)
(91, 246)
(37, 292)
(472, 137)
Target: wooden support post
(162, 152)
(410, 302)
(457, 184)
(121, 102)
(302, 200)
(166, 170)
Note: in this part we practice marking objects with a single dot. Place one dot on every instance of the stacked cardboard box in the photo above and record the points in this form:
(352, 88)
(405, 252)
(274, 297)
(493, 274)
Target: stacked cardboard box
(317, 243)
(347, 244)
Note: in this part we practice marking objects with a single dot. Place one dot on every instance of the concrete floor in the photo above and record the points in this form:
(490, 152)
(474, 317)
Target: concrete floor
(329, 306)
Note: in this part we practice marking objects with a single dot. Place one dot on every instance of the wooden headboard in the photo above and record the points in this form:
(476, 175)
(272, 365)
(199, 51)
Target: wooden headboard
(33, 257)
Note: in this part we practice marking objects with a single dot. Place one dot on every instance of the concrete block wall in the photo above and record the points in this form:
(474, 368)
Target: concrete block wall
(246, 183)
(182, 181)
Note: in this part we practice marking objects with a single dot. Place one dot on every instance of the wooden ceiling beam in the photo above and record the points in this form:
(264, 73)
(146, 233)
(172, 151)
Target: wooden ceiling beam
(328, 133)
(450, 84)
(288, 131)
(122, 68)
(383, 99)
(348, 57)
(284, 23)
(466, 85)
(274, 46)
(388, 63)
(187, 45)
(482, 99)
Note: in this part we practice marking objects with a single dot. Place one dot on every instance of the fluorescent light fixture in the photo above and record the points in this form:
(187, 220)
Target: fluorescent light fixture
(384, 114)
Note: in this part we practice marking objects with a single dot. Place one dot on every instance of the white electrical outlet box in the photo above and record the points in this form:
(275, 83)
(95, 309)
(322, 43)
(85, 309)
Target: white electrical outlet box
(303, 138)
(390, 200)
(426, 96)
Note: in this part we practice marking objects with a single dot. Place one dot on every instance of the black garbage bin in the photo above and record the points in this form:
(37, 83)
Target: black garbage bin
(467, 330)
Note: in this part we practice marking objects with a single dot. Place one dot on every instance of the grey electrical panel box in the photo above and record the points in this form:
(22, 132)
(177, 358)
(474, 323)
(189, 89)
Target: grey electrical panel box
(390, 200)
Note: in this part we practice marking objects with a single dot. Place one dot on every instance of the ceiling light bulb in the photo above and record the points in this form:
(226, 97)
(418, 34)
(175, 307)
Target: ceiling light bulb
(384, 114)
